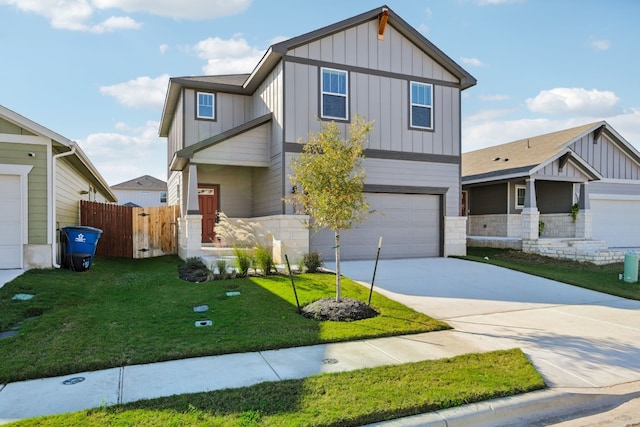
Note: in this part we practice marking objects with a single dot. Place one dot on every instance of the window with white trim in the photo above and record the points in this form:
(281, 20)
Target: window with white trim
(520, 193)
(335, 94)
(421, 111)
(205, 105)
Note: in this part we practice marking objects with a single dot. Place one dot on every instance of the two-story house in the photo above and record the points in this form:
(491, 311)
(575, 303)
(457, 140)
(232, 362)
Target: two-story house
(141, 192)
(231, 139)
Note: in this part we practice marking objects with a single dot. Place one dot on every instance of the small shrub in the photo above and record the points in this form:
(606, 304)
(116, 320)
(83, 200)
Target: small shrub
(222, 265)
(194, 263)
(312, 262)
(243, 260)
(264, 259)
(193, 270)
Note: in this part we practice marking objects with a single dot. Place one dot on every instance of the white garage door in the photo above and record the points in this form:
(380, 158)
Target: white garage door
(10, 222)
(409, 224)
(617, 222)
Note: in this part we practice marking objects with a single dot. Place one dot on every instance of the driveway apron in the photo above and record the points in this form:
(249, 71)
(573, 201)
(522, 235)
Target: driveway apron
(576, 338)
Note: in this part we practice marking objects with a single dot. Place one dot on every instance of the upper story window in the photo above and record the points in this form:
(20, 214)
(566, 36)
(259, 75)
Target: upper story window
(163, 197)
(520, 192)
(421, 114)
(334, 99)
(205, 105)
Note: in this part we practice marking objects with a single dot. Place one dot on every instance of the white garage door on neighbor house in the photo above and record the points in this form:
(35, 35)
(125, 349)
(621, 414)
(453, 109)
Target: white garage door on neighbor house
(616, 220)
(10, 222)
(410, 225)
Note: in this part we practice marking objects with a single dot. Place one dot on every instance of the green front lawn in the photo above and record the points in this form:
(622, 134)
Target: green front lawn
(601, 278)
(124, 312)
(341, 399)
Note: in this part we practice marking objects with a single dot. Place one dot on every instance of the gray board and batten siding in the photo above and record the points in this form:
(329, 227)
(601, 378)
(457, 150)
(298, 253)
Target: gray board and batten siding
(413, 176)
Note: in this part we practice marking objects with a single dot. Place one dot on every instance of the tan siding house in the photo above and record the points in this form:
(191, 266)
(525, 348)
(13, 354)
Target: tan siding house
(43, 176)
(231, 138)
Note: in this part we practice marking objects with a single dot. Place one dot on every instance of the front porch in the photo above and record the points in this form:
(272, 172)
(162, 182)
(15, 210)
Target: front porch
(287, 236)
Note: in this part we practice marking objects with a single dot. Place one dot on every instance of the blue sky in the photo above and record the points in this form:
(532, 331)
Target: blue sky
(96, 71)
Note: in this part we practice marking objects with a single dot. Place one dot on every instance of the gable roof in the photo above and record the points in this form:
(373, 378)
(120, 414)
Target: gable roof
(246, 84)
(60, 144)
(143, 183)
(180, 158)
(523, 156)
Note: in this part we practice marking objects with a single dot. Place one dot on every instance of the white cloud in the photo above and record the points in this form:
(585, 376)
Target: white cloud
(72, 15)
(490, 127)
(77, 15)
(475, 62)
(142, 92)
(601, 44)
(128, 153)
(116, 23)
(183, 9)
(164, 48)
(573, 101)
(230, 56)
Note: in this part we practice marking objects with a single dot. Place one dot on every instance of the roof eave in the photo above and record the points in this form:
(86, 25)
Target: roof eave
(466, 80)
(500, 175)
(95, 176)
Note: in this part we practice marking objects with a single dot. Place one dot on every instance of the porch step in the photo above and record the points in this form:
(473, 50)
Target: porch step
(575, 244)
(594, 251)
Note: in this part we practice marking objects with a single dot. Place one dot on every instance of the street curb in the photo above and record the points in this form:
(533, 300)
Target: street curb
(526, 408)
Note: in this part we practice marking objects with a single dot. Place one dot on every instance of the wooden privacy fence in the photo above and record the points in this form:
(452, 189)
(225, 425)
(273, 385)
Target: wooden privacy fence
(132, 232)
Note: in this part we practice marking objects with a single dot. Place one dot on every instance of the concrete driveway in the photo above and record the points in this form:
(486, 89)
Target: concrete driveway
(576, 338)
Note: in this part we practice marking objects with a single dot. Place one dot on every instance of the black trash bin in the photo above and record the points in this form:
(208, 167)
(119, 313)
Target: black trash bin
(80, 244)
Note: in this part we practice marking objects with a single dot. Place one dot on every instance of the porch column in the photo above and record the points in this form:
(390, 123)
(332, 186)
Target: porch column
(530, 213)
(583, 220)
(190, 225)
(192, 191)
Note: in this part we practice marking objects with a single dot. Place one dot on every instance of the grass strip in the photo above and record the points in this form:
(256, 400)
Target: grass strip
(123, 312)
(601, 278)
(339, 399)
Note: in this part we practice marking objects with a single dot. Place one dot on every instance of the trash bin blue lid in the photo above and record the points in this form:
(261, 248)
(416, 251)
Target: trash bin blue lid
(82, 228)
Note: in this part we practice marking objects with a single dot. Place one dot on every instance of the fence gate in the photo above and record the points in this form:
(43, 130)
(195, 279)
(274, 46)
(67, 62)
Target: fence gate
(132, 232)
(155, 231)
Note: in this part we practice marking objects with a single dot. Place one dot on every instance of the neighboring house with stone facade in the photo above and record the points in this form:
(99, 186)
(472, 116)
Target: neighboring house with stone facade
(570, 192)
(231, 139)
(43, 177)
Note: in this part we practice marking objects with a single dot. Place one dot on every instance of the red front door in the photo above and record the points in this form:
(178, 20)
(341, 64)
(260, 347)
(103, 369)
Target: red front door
(208, 202)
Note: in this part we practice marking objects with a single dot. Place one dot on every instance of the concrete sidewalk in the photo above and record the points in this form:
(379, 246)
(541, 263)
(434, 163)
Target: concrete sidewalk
(130, 383)
(583, 343)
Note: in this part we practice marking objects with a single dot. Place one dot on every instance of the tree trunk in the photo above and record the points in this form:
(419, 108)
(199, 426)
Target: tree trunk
(338, 284)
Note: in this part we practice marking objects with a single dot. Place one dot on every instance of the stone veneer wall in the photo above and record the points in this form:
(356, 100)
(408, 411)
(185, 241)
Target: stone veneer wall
(495, 225)
(189, 236)
(488, 225)
(290, 236)
(592, 251)
(558, 225)
(455, 235)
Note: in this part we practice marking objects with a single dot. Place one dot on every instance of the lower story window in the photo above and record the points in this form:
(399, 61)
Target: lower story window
(520, 192)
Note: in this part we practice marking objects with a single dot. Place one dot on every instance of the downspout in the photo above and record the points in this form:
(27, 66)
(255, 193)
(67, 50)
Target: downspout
(54, 246)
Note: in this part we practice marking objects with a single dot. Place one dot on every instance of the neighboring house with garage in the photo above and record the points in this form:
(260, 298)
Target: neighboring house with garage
(575, 191)
(43, 176)
(144, 191)
(231, 139)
